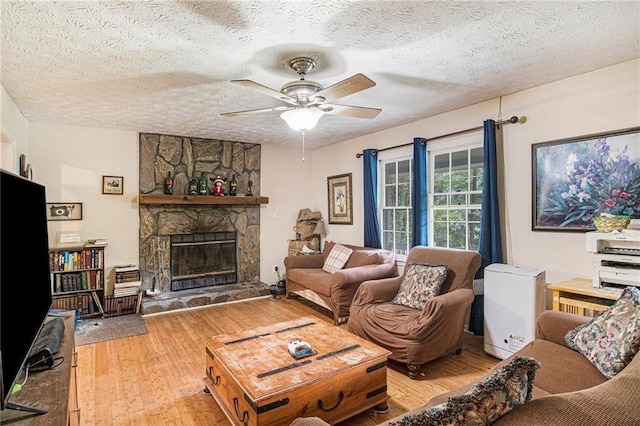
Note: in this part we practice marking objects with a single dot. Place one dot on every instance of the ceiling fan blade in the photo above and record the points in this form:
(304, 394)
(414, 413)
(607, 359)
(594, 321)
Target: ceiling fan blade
(256, 111)
(349, 86)
(353, 111)
(266, 90)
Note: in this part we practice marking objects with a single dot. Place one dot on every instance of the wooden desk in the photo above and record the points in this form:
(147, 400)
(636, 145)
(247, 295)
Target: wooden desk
(52, 390)
(579, 296)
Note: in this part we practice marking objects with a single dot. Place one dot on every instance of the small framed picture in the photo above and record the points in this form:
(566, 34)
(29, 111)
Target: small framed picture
(112, 185)
(340, 199)
(64, 211)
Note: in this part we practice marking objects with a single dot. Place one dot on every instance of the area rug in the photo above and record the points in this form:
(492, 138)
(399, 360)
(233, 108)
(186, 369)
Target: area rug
(92, 330)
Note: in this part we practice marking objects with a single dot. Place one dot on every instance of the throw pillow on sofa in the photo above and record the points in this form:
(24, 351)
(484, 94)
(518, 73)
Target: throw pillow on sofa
(337, 258)
(611, 339)
(421, 282)
(504, 390)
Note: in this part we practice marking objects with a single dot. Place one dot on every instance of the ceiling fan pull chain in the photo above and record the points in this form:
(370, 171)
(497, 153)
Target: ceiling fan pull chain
(303, 132)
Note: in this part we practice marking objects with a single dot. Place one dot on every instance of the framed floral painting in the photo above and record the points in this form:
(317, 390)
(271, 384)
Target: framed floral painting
(340, 199)
(576, 179)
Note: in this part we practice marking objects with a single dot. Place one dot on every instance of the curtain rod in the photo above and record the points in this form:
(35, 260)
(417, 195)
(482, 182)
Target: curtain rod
(512, 120)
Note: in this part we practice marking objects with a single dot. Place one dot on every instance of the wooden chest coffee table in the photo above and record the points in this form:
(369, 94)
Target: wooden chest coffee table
(256, 381)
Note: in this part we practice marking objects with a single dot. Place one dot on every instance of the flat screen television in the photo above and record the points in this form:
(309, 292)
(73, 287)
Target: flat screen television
(25, 287)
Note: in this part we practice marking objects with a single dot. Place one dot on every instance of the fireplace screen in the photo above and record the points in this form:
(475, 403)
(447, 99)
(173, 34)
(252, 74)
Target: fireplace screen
(203, 260)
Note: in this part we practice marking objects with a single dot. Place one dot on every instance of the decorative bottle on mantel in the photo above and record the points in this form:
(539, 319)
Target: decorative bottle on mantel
(168, 184)
(202, 184)
(233, 186)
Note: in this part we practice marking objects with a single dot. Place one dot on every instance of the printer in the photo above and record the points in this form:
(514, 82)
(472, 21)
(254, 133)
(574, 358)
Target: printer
(616, 258)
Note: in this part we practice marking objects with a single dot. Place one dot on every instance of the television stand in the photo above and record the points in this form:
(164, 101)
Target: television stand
(52, 391)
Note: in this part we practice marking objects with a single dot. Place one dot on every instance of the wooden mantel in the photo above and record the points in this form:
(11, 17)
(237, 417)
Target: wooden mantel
(200, 199)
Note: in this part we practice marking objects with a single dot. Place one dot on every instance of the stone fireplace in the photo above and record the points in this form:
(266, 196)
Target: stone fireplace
(180, 233)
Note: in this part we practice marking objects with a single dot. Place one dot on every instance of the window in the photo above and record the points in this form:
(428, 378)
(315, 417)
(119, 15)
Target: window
(455, 197)
(395, 202)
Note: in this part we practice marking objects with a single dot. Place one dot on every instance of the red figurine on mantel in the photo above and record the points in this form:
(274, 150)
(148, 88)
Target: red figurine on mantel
(218, 186)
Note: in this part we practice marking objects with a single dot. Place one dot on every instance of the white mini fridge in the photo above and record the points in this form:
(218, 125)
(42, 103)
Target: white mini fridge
(513, 299)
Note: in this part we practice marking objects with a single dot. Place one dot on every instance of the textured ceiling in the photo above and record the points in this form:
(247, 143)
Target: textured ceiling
(165, 66)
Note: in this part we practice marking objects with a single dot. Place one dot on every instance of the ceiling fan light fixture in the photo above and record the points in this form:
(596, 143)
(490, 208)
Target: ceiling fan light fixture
(302, 118)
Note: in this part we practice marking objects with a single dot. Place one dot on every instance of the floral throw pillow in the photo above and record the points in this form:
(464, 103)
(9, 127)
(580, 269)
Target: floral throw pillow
(612, 338)
(421, 282)
(504, 390)
(337, 258)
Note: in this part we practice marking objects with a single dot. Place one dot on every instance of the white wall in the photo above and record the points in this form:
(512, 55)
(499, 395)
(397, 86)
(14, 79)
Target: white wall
(286, 180)
(14, 134)
(604, 100)
(71, 160)
(607, 99)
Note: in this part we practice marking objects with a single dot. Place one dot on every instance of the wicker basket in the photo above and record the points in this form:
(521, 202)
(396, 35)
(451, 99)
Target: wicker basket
(610, 224)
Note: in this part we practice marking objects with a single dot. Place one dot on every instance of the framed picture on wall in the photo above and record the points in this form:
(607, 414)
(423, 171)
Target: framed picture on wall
(113, 185)
(340, 199)
(64, 211)
(574, 179)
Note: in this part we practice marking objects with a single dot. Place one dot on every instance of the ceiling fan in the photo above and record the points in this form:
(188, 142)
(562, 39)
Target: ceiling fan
(308, 100)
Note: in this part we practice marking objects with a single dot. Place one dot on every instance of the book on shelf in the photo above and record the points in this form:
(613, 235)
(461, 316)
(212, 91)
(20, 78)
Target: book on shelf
(97, 304)
(121, 292)
(127, 284)
(128, 288)
(127, 273)
(122, 277)
(85, 280)
(100, 242)
(126, 268)
(125, 305)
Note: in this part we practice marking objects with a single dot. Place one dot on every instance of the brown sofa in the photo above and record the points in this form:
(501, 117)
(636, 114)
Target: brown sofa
(568, 390)
(305, 276)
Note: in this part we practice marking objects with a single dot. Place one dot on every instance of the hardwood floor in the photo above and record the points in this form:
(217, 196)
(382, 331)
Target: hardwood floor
(157, 378)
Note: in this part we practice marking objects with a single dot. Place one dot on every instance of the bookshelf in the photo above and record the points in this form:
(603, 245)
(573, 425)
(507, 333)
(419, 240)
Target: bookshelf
(126, 292)
(77, 279)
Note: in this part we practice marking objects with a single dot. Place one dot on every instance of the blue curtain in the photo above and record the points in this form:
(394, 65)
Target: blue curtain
(490, 247)
(370, 182)
(420, 235)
